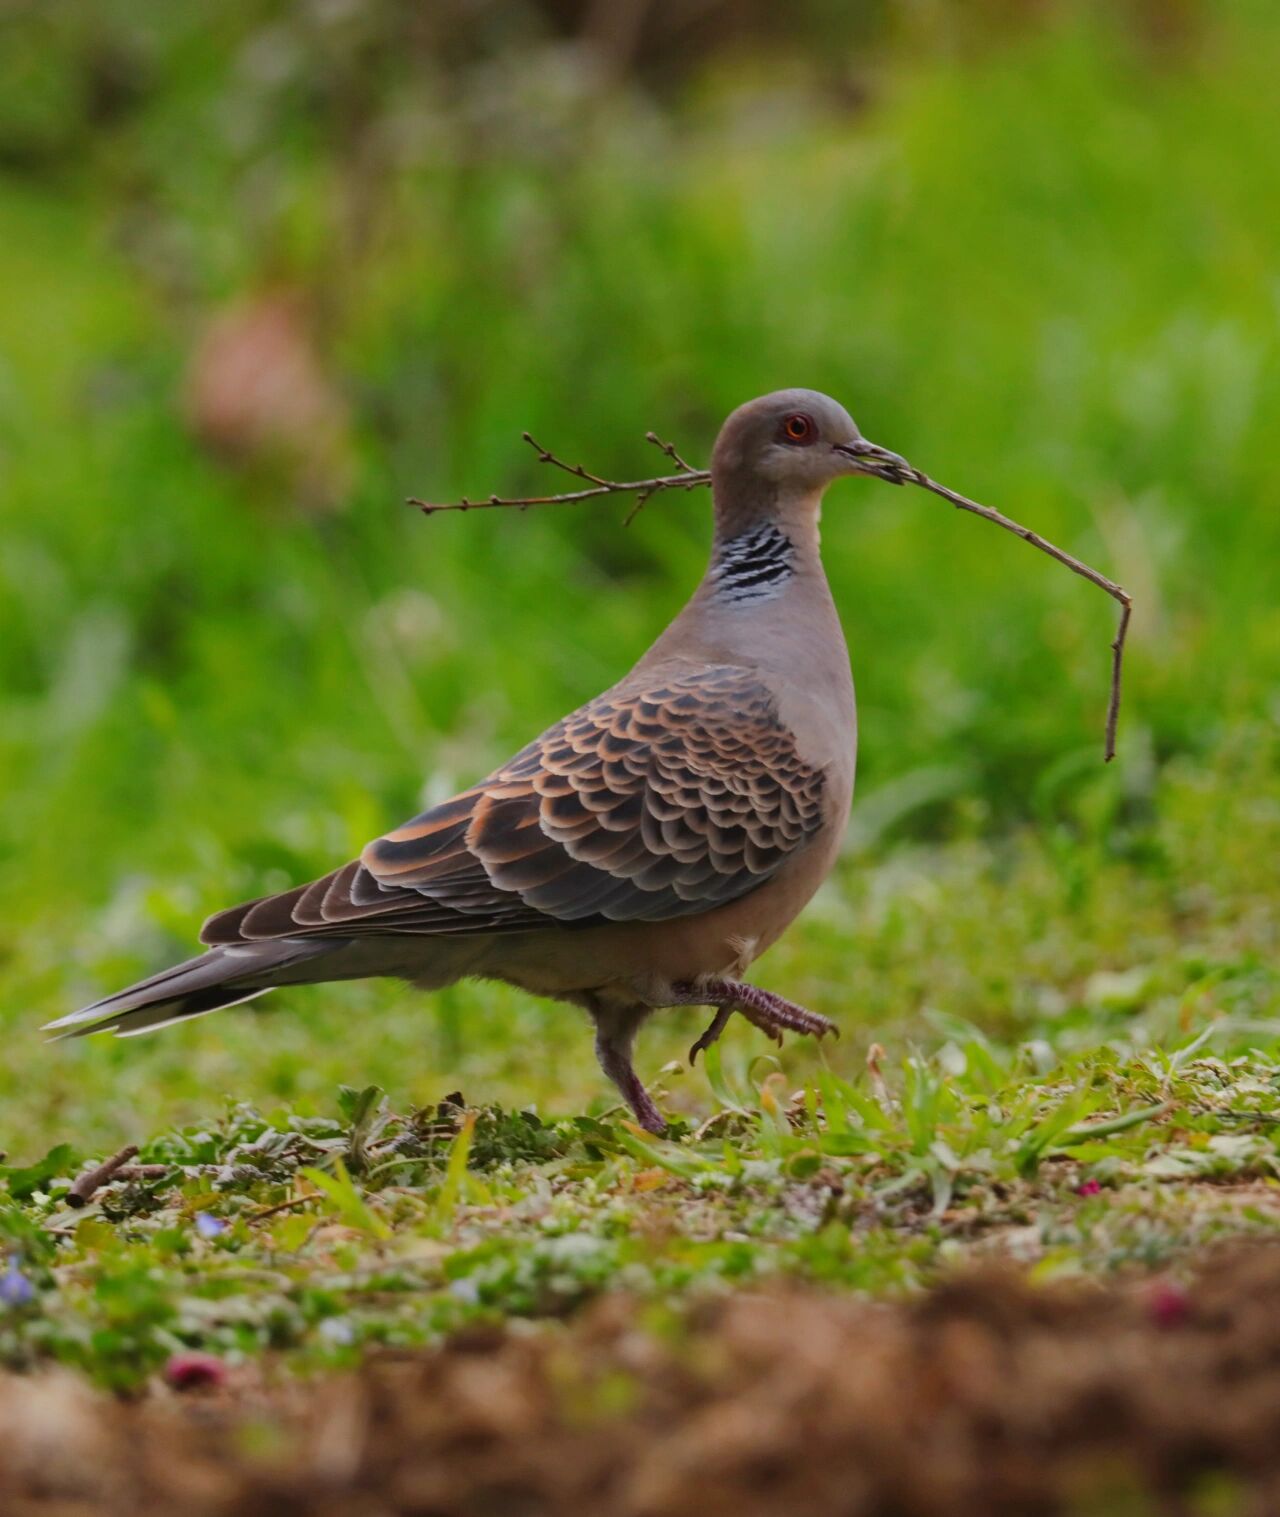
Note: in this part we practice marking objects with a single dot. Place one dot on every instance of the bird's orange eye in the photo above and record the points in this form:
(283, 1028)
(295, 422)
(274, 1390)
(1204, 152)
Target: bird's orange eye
(798, 428)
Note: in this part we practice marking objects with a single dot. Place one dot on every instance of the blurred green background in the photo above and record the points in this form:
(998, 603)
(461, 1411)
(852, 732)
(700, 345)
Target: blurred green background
(266, 270)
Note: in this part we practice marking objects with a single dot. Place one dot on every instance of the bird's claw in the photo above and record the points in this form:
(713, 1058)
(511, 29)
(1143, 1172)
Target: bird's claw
(712, 1034)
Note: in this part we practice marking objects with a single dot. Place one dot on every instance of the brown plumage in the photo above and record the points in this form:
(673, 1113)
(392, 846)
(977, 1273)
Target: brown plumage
(656, 800)
(646, 848)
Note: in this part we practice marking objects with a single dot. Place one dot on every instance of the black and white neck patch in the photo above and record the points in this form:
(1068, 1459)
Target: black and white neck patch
(753, 566)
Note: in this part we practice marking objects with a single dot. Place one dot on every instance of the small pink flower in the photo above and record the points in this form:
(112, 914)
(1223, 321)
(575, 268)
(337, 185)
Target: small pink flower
(1167, 1303)
(1088, 1188)
(185, 1372)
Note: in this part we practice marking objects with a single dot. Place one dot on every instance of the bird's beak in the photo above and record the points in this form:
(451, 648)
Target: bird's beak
(863, 457)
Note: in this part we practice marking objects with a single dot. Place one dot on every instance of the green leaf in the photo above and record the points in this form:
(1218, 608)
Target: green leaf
(363, 1109)
(804, 1163)
(1049, 1129)
(59, 1161)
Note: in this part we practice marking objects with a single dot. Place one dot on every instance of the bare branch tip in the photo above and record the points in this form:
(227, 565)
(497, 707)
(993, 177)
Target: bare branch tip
(1077, 566)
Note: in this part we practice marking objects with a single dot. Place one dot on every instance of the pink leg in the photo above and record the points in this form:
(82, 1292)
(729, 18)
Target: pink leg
(615, 1034)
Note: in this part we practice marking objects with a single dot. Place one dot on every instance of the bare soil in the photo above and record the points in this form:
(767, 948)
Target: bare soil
(989, 1396)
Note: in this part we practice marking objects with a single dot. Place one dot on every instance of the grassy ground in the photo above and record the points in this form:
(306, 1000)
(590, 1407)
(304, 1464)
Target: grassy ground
(1044, 271)
(990, 1394)
(1084, 1075)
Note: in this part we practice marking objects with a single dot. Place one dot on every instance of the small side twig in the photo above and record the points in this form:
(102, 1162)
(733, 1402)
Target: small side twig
(669, 450)
(688, 478)
(692, 476)
(271, 1211)
(86, 1185)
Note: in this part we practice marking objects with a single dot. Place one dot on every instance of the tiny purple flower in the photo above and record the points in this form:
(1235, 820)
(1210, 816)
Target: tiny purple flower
(15, 1288)
(337, 1330)
(465, 1289)
(209, 1226)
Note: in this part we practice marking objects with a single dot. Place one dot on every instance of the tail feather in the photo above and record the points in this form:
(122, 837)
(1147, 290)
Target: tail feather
(165, 1013)
(221, 977)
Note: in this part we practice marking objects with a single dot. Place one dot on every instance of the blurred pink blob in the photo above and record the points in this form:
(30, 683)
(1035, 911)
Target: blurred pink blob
(257, 394)
(1167, 1303)
(192, 1371)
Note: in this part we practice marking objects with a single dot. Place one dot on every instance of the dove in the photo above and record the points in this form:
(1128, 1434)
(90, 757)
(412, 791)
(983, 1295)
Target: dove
(645, 850)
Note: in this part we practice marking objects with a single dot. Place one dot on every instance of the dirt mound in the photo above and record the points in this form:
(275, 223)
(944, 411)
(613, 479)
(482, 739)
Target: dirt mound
(989, 1396)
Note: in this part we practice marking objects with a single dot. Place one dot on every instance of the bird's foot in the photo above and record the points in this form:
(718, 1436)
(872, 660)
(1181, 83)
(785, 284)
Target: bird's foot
(772, 1014)
(647, 1114)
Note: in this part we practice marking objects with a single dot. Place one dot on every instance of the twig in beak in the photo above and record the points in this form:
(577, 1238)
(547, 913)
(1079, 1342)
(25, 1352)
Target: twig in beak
(962, 502)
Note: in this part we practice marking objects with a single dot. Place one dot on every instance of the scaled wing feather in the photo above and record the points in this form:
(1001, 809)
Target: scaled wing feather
(659, 799)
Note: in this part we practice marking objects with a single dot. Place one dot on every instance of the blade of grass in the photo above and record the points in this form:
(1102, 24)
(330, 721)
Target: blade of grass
(714, 1071)
(1087, 1131)
(347, 1201)
(640, 1147)
(455, 1172)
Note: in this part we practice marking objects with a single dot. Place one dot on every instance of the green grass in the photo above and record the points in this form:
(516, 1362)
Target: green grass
(314, 1237)
(1043, 270)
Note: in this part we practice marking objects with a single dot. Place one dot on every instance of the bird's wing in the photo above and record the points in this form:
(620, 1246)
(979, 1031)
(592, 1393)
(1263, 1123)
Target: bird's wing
(658, 799)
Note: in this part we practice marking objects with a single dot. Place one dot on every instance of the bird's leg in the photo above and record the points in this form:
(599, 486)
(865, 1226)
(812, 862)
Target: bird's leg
(615, 1034)
(771, 1013)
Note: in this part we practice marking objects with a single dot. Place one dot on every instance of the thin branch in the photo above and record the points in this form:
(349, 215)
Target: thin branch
(547, 457)
(116, 1170)
(84, 1187)
(146, 1172)
(270, 1211)
(963, 503)
(689, 478)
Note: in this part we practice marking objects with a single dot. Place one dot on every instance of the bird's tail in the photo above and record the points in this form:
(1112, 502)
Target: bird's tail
(221, 977)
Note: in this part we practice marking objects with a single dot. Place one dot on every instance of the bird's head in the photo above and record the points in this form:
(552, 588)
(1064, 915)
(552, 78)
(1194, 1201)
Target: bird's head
(776, 455)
